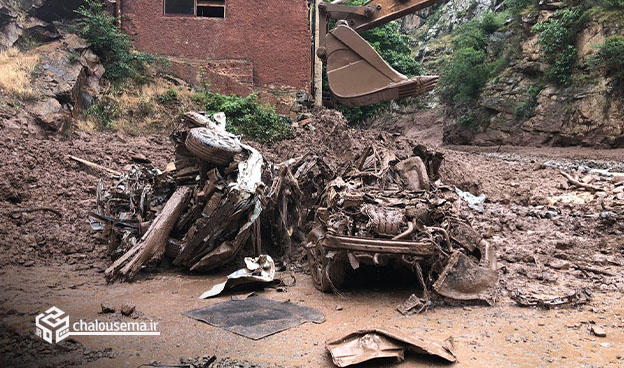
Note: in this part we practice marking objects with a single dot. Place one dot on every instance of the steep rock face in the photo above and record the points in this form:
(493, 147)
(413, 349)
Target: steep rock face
(588, 113)
(69, 78)
(431, 28)
(32, 18)
(457, 12)
(68, 73)
(574, 116)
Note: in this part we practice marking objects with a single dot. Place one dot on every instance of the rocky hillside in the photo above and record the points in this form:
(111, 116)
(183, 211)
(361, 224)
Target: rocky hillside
(526, 72)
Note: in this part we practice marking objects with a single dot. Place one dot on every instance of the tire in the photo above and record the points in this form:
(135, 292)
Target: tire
(212, 146)
(327, 274)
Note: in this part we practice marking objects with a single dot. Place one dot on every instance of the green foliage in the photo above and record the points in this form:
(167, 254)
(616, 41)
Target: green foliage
(464, 76)
(103, 112)
(612, 4)
(525, 110)
(169, 96)
(471, 35)
(73, 57)
(610, 57)
(467, 121)
(111, 44)
(561, 70)
(469, 69)
(516, 7)
(559, 31)
(393, 46)
(492, 22)
(245, 116)
(557, 37)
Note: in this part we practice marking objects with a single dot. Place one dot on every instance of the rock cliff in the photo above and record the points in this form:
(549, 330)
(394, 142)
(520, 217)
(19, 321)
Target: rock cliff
(519, 105)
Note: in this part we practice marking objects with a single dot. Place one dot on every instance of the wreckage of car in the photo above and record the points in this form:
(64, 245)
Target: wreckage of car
(377, 210)
(386, 212)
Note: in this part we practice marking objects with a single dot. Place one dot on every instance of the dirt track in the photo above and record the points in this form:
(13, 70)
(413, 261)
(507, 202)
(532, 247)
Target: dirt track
(50, 261)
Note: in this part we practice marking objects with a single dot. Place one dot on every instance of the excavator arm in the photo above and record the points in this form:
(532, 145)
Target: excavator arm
(356, 73)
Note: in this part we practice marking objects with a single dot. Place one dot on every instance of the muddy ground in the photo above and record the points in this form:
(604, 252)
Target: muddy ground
(550, 240)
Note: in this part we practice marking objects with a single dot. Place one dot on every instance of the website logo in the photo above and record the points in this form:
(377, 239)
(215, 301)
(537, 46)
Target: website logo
(54, 326)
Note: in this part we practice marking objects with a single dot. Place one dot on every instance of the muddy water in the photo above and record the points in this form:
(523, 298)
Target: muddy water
(500, 336)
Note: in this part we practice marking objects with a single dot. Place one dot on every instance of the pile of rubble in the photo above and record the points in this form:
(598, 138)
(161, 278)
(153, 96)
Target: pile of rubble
(200, 211)
(382, 211)
(221, 195)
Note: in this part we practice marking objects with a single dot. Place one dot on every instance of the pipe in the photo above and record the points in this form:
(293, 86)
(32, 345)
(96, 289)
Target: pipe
(118, 12)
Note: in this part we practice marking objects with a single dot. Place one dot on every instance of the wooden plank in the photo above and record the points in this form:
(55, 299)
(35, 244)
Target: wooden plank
(153, 244)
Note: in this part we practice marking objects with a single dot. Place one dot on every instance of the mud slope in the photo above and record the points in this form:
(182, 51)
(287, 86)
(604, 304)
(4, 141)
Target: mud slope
(551, 240)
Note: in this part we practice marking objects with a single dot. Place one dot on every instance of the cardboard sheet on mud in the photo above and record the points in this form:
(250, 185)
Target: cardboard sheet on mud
(256, 317)
(368, 344)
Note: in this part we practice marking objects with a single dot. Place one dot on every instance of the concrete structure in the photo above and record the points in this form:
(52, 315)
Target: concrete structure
(236, 46)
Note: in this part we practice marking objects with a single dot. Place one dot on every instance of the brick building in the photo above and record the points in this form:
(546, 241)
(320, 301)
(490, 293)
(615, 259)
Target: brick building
(237, 46)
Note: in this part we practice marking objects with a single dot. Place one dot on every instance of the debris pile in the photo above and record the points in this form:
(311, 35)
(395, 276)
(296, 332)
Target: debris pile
(384, 211)
(201, 210)
(380, 205)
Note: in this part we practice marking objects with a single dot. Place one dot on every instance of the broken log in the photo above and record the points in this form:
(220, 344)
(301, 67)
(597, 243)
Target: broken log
(95, 166)
(36, 209)
(153, 244)
(580, 184)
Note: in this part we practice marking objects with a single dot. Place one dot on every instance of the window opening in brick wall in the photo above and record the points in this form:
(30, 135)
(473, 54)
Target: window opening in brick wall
(211, 8)
(180, 7)
(199, 8)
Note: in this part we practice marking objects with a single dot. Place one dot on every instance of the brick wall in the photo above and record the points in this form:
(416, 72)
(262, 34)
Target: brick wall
(261, 44)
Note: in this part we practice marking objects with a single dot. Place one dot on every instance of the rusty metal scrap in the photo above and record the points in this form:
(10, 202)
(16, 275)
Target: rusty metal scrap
(381, 210)
(224, 210)
(577, 297)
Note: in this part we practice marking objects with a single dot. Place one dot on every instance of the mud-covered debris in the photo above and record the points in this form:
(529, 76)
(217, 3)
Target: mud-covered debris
(258, 272)
(463, 279)
(152, 245)
(369, 344)
(256, 317)
(127, 309)
(413, 305)
(474, 202)
(107, 308)
(93, 165)
(598, 331)
(578, 297)
(198, 362)
(223, 187)
(583, 183)
(382, 211)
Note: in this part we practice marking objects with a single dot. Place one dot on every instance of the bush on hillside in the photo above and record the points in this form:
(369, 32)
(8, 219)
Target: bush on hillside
(612, 4)
(469, 69)
(557, 37)
(112, 45)
(610, 57)
(246, 116)
(516, 7)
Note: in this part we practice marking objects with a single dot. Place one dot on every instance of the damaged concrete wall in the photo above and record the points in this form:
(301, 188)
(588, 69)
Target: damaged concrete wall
(273, 37)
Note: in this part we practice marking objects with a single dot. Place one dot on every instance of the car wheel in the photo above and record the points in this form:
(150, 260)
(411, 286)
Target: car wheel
(328, 274)
(212, 146)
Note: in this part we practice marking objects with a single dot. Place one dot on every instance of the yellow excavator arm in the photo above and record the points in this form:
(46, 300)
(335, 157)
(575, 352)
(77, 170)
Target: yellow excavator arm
(356, 73)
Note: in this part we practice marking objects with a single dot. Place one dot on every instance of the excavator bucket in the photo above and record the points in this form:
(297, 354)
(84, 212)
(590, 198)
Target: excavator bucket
(358, 76)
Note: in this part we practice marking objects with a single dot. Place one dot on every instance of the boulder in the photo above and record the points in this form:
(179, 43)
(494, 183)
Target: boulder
(50, 114)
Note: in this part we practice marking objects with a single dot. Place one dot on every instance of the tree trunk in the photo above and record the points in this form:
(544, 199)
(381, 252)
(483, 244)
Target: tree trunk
(152, 245)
